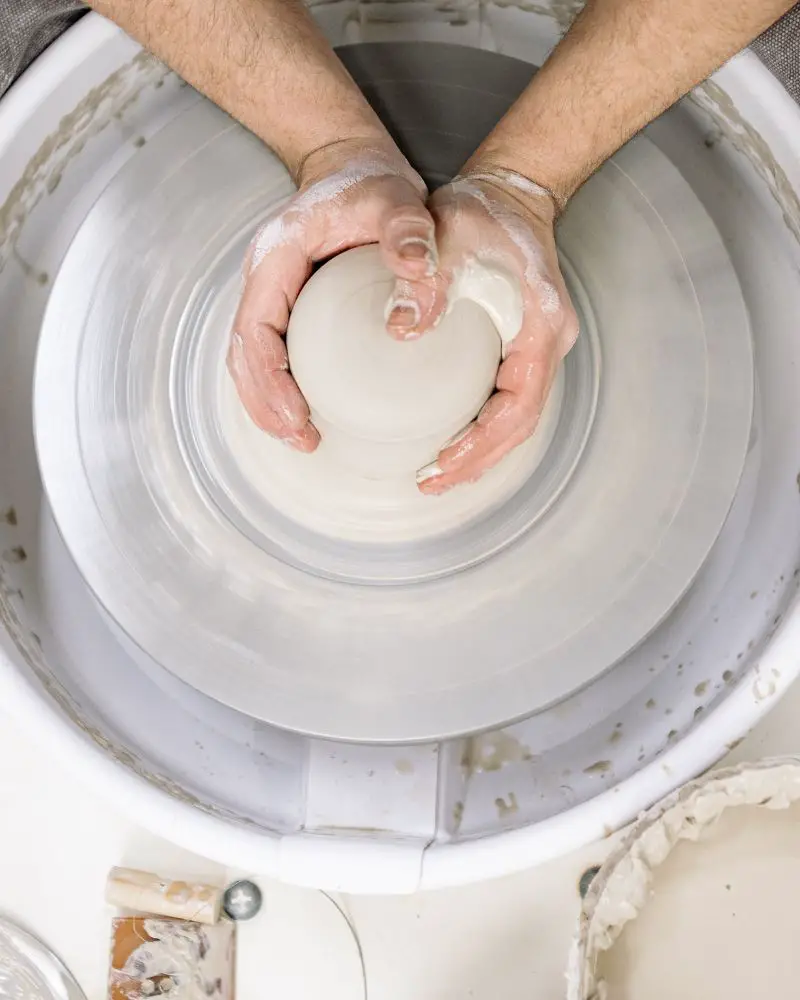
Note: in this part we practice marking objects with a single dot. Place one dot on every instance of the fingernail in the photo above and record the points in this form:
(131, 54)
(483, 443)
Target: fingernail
(403, 314)
(293, 441)
(427, 472)
(414, 248)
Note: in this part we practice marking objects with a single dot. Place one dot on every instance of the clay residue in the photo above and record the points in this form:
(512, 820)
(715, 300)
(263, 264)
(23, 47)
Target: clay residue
(29, 646)
(30, 272)
(454, 12)
(156, 957)
(506, 806)
(492, 752)
(101, 105)
(748, 141)
(624, 884)
(563, 12)
(764, 686)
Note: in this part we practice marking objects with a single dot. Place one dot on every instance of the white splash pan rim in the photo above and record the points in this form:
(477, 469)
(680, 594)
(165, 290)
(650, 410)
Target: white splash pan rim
(310, 859)
(22, 99)
(738, 783)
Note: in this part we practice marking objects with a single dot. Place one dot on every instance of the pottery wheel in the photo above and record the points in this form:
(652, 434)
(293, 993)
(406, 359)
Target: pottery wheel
(369, 640)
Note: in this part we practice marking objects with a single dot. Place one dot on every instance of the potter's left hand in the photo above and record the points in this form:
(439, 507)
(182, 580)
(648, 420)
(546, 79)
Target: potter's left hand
(500, 218)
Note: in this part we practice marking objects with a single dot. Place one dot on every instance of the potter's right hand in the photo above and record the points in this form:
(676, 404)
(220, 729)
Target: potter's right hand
(347, 197)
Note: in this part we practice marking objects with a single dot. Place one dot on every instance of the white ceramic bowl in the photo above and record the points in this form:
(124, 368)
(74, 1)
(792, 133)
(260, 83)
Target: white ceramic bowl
(393, 819)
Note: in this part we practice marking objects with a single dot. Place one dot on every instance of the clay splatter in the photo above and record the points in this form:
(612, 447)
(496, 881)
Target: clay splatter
(507, 808)
(90, 116)
(750, 143)
(491, 752)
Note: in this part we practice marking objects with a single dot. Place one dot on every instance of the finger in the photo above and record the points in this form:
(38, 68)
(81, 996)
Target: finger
(264, 395)
(250, 391)
(271, 290)
(307, 439)
(268, 360)
(418, 305)
(414, 307)
(507, 419)
(257, 358)
(261, 364)
(498, 429)
(251, 394)
(407, 239)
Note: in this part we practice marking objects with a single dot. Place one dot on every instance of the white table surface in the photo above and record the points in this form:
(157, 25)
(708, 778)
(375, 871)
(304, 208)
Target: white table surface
(499, 940)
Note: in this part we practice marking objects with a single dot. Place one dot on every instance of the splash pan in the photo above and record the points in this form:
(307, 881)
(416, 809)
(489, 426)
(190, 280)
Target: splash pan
(385, 818)
(375, 642)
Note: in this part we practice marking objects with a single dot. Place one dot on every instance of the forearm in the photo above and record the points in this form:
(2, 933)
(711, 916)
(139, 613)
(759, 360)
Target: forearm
(621, 64)
(263, 61)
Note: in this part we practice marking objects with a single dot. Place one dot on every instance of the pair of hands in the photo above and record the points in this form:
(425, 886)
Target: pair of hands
(350, 197)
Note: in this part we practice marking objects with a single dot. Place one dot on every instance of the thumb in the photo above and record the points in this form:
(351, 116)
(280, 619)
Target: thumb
(407, 236)
(414, 307)
(408, 244)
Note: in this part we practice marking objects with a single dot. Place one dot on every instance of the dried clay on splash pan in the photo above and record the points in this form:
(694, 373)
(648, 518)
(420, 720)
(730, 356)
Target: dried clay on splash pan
(700, 900)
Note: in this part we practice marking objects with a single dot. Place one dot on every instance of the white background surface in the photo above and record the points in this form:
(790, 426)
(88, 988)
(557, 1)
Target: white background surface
(500, 940)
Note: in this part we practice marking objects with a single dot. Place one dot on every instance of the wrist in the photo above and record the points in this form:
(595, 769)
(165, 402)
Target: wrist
(376, 149)
(535, 197)
(320, 149)
(526, 173)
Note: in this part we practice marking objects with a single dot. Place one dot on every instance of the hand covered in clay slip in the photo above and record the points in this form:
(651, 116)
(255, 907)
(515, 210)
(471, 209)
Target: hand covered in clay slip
(347, 197)
(496, 218)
